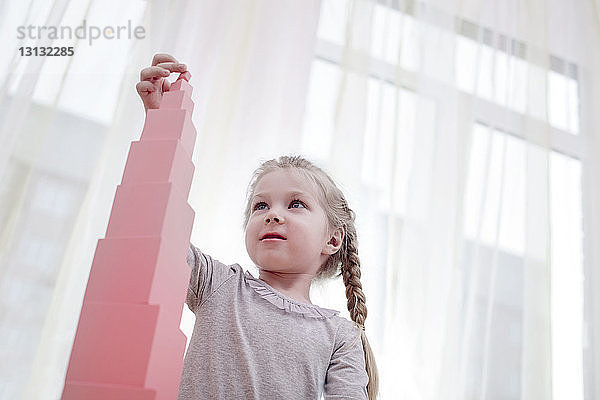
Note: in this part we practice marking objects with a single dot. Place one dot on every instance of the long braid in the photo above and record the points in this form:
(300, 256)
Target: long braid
(350, 272)
(356, 304)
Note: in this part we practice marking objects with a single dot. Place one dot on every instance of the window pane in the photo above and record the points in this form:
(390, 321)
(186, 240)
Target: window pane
(563, 103)
(386, 33)
(394, 115)
(495, 198)
(320, 109)
(566, 278)
(332, 21)
(466, 62)
(411, 45)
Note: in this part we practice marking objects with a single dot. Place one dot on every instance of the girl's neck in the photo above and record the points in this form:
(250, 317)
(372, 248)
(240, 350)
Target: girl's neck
(293, 285)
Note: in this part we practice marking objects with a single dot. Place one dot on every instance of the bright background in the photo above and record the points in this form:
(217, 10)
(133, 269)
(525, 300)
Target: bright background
(465, 135)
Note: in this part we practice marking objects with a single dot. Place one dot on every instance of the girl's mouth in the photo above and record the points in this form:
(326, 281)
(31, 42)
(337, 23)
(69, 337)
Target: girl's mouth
(273, 235)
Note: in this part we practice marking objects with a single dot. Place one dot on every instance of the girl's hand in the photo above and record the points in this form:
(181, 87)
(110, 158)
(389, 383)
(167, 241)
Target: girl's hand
(153, 82)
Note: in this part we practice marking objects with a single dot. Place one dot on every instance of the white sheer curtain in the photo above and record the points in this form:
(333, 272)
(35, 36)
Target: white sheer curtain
(66, 128)
(466, 133)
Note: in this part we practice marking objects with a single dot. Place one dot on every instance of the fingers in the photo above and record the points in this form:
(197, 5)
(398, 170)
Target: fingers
(162, 57)
(144, 88)
(173, 66)
(161, 71)
(153, 82)
(153, 73)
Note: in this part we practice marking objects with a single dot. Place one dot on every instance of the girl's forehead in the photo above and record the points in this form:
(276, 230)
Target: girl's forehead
(285, 180)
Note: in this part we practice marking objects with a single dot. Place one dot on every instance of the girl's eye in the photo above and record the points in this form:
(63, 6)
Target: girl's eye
(297, 202)
(258, 206)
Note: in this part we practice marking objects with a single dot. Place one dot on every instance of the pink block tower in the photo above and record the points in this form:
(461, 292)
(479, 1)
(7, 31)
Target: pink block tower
(128, 345)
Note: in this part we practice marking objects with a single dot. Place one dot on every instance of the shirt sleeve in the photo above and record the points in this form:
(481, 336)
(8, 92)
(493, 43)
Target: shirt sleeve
(346, 375)
(206, 277)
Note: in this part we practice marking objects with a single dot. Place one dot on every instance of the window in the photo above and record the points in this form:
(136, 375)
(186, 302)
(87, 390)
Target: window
(498, 78)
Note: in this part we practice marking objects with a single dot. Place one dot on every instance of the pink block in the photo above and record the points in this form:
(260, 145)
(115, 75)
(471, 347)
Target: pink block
(170, 124)
(127, 344)
(139, 270)
(151, 209)
(177, 99)
(166, 361)
(159, 161)
(183, 85)
(97, 391)
(113, 343)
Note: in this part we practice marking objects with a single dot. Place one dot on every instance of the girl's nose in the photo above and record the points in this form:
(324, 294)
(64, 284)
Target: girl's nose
(273, 216)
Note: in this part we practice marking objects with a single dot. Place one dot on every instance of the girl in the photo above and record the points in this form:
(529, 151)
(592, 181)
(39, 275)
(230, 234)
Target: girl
(262, 338)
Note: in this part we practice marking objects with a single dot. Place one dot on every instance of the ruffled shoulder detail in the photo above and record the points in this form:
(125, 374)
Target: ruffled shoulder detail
(283, 302)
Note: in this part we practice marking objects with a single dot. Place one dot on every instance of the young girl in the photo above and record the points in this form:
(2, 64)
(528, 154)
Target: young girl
(262, 338)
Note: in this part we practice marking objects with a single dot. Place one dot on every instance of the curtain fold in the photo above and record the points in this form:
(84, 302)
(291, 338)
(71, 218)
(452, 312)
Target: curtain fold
(463, 133)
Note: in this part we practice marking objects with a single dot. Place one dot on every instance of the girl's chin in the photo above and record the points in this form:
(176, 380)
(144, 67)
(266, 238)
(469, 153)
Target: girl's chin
(271, 262)
(272, 268)
(275, 269)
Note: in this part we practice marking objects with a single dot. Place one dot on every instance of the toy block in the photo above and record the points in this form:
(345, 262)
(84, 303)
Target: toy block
(128, 345)
(124, 332)
(177, 99)
(150, 209)
(166, 360)
(144, 270)
(159, 161)
(136, 340)
(170, 124)
(183, 85)
(95, 391)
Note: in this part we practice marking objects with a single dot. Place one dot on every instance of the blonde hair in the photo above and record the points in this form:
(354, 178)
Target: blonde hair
(345, 261)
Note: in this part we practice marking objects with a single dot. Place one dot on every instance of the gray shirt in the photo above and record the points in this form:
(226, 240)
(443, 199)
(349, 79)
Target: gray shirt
(252, 342)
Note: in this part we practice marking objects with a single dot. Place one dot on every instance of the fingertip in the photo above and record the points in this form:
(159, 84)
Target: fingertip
(166, 86)
(185, 75)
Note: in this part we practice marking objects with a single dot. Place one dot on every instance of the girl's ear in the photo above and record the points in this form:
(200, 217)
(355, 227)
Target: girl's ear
(335, 241)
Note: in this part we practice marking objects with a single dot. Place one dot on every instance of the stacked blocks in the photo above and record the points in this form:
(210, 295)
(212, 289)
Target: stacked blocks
(128, 345)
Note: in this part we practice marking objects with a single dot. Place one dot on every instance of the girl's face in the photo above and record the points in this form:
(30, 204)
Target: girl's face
(287, 229)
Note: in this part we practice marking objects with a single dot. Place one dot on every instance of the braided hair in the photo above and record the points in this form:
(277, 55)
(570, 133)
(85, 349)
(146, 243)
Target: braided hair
(345, 261)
